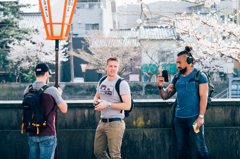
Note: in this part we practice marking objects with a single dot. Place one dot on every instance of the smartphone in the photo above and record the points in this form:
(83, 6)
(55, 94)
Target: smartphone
(95, 104)
(165, 75)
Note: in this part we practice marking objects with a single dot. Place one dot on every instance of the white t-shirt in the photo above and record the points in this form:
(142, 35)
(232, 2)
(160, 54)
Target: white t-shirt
(108, 93)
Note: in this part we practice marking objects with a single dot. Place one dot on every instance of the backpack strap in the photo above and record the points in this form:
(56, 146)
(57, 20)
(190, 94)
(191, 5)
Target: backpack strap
(117, 87)
(118, 90)
(102, 79)
(50, 112)
(176, 78)
(197, 78)
(42, 89)
(30, 88)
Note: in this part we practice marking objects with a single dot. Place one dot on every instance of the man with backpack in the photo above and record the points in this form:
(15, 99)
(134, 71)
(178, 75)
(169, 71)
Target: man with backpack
(191, 105)
(41, 136)
(111, 126)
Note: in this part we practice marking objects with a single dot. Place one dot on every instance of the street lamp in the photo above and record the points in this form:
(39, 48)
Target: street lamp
(84, 68)
(57, 17)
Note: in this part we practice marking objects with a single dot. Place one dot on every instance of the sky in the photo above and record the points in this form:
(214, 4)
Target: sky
(118, 2)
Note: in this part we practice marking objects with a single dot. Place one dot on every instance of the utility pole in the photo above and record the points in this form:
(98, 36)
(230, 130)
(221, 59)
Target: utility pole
(71, 53)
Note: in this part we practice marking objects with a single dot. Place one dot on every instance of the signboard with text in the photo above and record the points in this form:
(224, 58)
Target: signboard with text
(134, 78)
(151, 68)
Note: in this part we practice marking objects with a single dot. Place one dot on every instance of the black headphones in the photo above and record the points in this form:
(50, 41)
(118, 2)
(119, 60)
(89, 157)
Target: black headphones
(189, 58)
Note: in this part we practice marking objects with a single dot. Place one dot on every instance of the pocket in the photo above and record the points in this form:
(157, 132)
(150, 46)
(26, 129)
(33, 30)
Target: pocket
(123, 124)
(122, 129)
(190, 86)
(48, 141)
(100, 123)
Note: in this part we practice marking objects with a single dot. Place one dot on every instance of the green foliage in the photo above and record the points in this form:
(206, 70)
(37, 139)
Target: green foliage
(30, 76)
(9, 17)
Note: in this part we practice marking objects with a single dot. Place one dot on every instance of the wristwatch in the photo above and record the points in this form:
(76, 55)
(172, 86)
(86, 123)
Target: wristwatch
(109, 105)
(201, 116)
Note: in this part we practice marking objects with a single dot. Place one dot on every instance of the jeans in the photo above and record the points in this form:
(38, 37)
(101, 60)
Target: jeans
(109, 134)
(42, 147)
(183, 128)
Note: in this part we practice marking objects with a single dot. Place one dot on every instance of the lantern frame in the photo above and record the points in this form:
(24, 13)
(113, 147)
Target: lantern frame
(83, 67)
(50, 35)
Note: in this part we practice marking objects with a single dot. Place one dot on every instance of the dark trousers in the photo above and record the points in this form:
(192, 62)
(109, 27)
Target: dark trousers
(184, 129)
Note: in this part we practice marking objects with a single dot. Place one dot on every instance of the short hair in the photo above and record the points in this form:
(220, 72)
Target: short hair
(39, 74)
(113, 59)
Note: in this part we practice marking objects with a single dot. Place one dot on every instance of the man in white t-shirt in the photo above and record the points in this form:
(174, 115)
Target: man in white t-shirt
(111, 127)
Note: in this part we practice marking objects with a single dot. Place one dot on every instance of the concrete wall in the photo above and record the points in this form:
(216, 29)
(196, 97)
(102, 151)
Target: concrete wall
(78, 91)
(147, 135)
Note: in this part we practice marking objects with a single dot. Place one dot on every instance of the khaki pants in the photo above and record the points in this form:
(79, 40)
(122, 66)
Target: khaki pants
(109, 134)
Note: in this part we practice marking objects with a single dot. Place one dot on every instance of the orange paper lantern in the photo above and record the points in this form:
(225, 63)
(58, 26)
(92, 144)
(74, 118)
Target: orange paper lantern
(57, 17)
(83, 67)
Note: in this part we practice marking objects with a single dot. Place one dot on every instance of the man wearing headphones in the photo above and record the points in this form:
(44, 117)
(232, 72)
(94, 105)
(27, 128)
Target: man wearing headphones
(191, 105)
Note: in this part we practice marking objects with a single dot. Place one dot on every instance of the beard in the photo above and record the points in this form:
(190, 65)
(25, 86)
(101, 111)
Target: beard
(182, 71)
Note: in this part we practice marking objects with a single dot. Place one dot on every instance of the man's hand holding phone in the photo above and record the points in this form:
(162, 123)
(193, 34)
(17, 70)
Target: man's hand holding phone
(160, 80)
(162, 77)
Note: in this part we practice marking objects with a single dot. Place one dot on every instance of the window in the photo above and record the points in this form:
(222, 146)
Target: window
(95, 26)
(166, 56)
(213, 6)
(222, 17)
(114, 25)
(235, 18)
(92, 26)
(231, 19)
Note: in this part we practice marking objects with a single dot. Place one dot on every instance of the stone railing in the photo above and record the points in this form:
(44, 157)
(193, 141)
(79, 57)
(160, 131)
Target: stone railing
(79, 91)
(147, 136)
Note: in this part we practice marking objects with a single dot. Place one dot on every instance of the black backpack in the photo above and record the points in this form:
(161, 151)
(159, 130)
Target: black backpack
(126, 112)
(210, 86)
(196, 78)
(33, 119)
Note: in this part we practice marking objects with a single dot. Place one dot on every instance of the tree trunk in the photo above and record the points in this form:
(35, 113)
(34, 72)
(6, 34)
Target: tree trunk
(149, 78)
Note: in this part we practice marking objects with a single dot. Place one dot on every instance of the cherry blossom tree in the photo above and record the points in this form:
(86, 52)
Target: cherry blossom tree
(102, 47)
(25, 54)
(213, 39)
